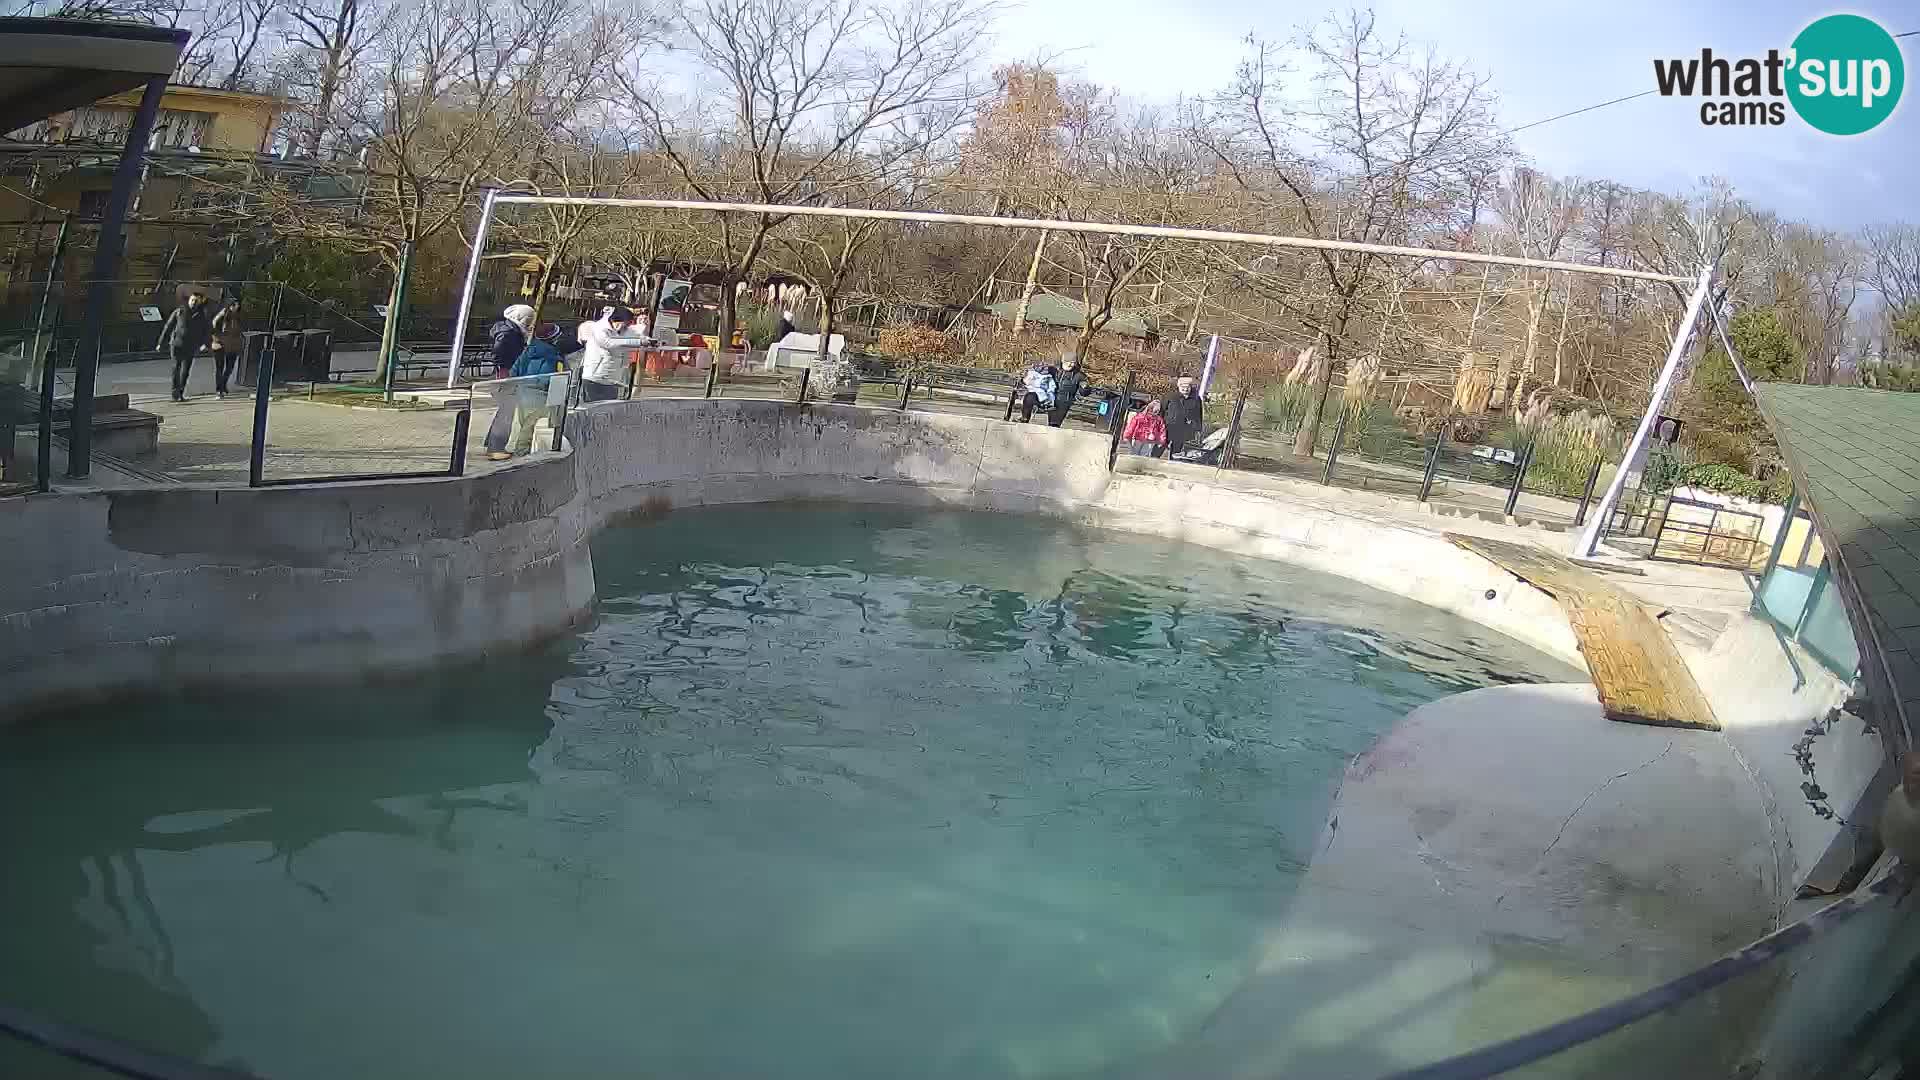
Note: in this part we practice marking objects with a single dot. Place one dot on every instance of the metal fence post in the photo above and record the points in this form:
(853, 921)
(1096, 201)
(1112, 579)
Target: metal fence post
(1586, 493)
(713, 374)
(806, 374)
(633, 375)
(1519, 476)
(458, 466)
(43, 468)
(1013, 396)
(1333, 451)
(1232, 447)
(1119, 420)
(262, 391)
(1433, 463)
(906, 391)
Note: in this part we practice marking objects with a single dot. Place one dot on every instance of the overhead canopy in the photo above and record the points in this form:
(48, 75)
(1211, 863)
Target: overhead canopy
(1855, 458)
(1051, 309)
(49, 66)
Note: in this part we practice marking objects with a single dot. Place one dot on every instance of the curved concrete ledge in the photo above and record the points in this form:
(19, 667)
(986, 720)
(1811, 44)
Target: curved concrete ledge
(1501, 860)
(180, 586)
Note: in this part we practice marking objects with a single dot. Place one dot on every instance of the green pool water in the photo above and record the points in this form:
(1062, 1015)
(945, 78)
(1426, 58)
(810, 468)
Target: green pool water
(823, 792)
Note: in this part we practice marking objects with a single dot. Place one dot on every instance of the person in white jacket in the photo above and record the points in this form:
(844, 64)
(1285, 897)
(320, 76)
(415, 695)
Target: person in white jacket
(603, 368)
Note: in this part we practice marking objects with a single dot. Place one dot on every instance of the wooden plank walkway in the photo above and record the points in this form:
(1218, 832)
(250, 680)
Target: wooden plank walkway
(1640, 675)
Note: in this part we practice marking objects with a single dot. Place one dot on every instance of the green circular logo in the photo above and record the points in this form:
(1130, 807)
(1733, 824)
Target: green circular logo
(1847, 74)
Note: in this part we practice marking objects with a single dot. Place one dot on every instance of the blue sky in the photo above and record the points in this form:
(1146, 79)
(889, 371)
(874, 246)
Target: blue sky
(1546, 57)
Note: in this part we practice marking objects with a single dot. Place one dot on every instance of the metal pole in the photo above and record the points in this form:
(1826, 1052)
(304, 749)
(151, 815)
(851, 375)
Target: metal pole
(43, 468)
(262, 389)
(1213, 355)
(1589, 539)
(466, 291)
(713, 374)
(1333, 451)
(1093, 227)
(1519, 476)
(1433, 463)
(1119, 420)
(461, 420)
(1012, 397)
(1586, 495)
(1786, 526)
(397, 311)
(1232, 447)
(53, 274)
(906, 391)
(806, 373)
(106, 267)
(633, 371)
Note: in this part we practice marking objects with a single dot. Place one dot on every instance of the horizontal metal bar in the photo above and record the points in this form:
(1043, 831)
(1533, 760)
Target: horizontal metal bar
(1541, 1043)
(352, 478)
(79, 1044)
(1164, 231)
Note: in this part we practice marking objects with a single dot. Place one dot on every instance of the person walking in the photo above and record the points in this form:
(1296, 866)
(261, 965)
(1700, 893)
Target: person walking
(603, 367)
(1182, 411)
(185, 333)
(229, 340)
(541, 357)
(509, 334)
(1069, 383)
(1146, 432)
(1037, 386)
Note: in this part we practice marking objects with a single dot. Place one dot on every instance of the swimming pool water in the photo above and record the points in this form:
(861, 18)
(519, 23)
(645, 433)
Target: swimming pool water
(823, 792)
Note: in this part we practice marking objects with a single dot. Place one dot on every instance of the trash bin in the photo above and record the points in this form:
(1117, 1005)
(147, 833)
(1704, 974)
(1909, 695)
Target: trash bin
(256, 347)
(316, 352)
(287, 361)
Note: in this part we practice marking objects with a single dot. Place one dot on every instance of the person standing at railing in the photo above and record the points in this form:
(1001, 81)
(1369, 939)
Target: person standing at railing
(1146, 432)
(1068, 384)
(541, 357)
(1183, 412)
(509, 335)
(229, 339)
(603, 368)
(1038, 385)
(185, 332)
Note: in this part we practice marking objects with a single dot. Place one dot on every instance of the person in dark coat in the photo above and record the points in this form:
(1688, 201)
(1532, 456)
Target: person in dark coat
(229, 341)
(509, 336)
(1182, 412)
(186, 331)
(1068, 384)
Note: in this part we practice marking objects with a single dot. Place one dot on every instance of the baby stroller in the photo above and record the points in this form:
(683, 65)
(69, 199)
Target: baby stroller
(1207, 451)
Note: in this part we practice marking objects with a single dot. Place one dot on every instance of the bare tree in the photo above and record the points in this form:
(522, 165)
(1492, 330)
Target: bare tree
(1894, 262)
(327, 39)
(803, 89)
(1382, 156)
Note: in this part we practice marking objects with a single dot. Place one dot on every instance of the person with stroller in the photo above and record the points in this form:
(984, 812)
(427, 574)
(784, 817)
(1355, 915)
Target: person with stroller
(1037, 387)
(1182, 411)
(1069, 382)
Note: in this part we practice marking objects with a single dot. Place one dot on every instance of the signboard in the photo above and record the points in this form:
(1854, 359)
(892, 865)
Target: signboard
(149, 314)
(380, 310)
(674, 295)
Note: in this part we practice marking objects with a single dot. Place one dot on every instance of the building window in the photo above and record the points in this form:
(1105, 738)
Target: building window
(173, 129)
(1798, 595)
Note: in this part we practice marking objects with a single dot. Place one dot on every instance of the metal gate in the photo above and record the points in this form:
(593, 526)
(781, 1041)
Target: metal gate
(1689, 530)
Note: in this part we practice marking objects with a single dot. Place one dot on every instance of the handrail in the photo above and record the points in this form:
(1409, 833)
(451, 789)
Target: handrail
(122, 1059)
(1537, 1044)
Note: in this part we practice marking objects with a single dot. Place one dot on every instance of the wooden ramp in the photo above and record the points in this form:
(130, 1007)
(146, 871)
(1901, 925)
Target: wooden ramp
(1641, 677)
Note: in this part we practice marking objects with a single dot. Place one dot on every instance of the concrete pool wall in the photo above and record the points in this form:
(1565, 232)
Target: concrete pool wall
(119, 591)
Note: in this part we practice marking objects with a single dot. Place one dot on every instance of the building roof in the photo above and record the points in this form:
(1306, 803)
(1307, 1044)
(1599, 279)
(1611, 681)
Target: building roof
(1855, 458)
(1052, 309)
(49, 66)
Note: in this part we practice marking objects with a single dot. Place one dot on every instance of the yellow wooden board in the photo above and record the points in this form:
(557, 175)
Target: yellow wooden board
(1640, 675)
